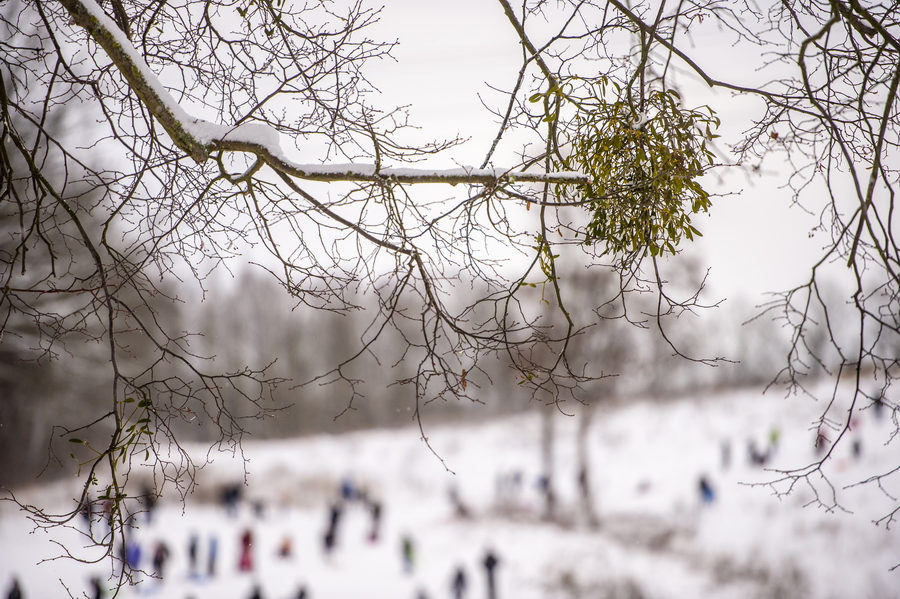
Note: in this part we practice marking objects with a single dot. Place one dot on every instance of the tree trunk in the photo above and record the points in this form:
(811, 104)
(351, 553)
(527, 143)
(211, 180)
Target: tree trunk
(584, 467)
(548, 435)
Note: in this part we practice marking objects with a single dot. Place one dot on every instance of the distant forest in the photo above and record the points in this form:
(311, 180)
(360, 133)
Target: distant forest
(248, 321)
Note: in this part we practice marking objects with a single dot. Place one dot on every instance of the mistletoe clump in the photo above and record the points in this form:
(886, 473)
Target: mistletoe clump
(645, 158)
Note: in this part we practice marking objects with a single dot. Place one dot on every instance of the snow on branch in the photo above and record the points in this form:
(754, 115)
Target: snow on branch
(197, 138)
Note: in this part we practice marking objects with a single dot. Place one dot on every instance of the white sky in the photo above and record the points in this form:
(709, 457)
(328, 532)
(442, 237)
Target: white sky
(449, 50)
(754, 241)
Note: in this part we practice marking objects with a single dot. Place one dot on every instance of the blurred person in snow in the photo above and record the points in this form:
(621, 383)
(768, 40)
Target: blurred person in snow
(97, 588)
(15, 591)
(193, 546)
(160, 556)
(334, 519)
(211, 557)
(286, 548)
(132, 554)
(408, 553)
(375, 511)
(246, 562)
(821, 440)
(148, 498)
(231, 497)
(348, 489)
(757, 457)
(459, 584)
(490, 563)
(707, 495)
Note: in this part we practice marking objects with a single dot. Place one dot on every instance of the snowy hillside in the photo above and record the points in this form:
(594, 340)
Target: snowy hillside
(657, 538)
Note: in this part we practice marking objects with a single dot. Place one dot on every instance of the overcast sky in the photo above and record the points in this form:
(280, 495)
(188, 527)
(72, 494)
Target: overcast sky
(449, 50)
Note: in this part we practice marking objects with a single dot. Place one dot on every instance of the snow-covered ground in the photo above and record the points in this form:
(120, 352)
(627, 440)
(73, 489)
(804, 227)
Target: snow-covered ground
(656, 537)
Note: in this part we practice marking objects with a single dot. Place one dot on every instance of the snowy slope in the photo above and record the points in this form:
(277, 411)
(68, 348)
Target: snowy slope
(656, 538)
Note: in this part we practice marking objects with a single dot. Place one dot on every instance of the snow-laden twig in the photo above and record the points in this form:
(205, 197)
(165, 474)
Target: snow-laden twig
(197, 137)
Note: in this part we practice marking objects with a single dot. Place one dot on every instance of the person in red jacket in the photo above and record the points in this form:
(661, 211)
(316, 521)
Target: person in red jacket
(246, 562)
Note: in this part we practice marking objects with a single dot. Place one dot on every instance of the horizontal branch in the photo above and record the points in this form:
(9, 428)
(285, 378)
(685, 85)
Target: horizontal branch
(465, 175)
(197, 138)
(370, 173)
